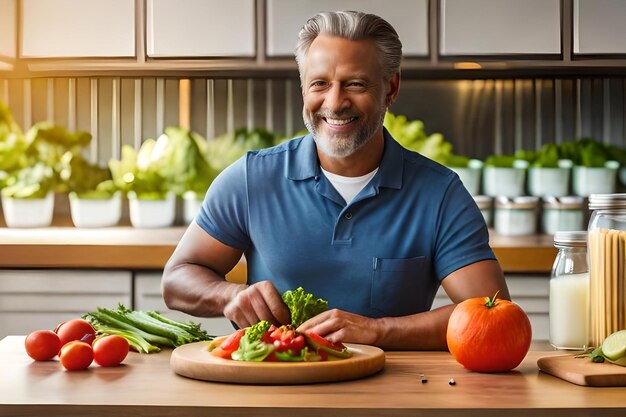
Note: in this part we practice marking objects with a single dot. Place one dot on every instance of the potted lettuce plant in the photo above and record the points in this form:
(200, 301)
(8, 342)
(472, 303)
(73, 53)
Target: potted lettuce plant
(28, 197)
(150, 204)
(593, 172)
(504, 176)
(29, 187)
(180, 159)
(94, 199)
(548, 174)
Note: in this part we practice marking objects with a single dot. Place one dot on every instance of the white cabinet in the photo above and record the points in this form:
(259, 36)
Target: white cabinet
(201, 28)
(41, 299)
(531, 293)
(77, 28)
(485, 27)
(8, 28)
(285, 18)
(599, 27)
(148, 297)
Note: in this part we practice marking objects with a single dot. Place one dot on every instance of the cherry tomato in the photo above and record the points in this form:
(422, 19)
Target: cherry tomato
(77, 329)
(229, 345)
(42, 345)
(76, 355)
(110, 350)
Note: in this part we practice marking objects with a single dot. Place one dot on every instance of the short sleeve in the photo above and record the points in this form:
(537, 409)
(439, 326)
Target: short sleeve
(224, 211)
(462, 234)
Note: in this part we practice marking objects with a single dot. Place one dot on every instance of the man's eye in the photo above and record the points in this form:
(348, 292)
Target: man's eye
(356, 84)
(318, 84)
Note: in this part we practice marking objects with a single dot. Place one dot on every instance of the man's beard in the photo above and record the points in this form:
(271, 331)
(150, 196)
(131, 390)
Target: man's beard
(342, 145)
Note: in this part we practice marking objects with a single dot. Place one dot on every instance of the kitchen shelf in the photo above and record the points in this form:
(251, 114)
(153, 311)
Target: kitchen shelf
(125, 247)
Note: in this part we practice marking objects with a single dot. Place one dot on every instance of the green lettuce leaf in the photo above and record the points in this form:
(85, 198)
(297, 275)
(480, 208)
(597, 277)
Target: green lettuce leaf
(303, 305)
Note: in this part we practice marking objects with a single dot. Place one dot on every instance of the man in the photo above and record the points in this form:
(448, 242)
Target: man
(345, 212)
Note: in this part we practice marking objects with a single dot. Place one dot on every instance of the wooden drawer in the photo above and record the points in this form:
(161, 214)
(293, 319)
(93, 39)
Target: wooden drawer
(41, 299)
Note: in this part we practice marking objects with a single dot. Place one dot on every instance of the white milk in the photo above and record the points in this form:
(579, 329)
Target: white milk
(569, 311)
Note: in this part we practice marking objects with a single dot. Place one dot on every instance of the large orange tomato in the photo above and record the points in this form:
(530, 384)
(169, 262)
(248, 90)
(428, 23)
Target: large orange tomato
(487, 335)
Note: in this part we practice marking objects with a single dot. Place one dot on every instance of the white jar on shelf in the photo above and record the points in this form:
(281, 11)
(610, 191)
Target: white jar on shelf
(564, 214)
(516, 216)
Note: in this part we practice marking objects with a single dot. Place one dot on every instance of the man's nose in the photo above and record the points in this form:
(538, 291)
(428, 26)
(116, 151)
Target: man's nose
(336, 98)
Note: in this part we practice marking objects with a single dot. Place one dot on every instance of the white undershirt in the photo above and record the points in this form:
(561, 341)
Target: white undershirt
(348, 187)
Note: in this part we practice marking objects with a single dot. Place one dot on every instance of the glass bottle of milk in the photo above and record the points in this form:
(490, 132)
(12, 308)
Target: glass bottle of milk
(569, 292)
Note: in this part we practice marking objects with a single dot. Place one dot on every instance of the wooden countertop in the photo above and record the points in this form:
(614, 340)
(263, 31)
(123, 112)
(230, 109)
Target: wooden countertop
(125, 247)
(146, 386)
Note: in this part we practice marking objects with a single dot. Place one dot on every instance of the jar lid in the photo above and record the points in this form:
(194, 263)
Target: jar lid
(565, 202)
(607, 201)
(524, 202)
(570, 238)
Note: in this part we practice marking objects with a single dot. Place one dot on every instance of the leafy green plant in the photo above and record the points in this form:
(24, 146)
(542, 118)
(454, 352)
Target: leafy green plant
(49, 160)
(12, 144)
(226, 149)
(501, 161)
(412, 136)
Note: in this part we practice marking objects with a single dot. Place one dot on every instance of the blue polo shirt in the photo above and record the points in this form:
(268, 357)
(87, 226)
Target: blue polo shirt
(383, 254)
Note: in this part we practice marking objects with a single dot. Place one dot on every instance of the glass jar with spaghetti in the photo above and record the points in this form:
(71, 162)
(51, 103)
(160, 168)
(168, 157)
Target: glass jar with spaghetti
(607, 265)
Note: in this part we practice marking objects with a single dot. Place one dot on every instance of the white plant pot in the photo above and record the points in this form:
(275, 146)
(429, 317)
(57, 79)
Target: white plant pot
(504, 182)
(152, 213)
(549, 182)
(92, 212)
(28, 212)
(587, 181)
(191, 206)
(470, 176)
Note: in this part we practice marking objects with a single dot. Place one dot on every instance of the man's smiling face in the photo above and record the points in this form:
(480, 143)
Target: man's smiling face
(344, 94)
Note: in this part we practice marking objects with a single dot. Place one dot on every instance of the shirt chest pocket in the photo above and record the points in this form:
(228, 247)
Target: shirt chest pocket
(399, 286)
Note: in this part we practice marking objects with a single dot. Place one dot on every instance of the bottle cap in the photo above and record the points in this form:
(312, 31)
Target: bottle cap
(570, 238)
(607, 201)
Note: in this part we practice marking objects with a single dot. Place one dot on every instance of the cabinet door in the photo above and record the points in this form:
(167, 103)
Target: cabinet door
(41, 299)
(530, 293)
(285, 18)
(78, 28)
(599, 27)
(148, 297)
(8, 38)
(485, 27)
(201, 28)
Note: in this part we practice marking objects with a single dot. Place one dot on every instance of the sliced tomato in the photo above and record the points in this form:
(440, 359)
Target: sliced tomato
(321, 344)
(229, 345)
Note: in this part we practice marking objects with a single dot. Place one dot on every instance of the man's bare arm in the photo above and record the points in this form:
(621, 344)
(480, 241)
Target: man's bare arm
(194, 282)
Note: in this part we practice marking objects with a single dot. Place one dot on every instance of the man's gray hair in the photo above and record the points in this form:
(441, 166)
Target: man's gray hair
(353, 25)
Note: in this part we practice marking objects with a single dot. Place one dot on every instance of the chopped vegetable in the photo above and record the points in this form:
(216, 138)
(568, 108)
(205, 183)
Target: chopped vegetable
(146, 332)
(303, 305)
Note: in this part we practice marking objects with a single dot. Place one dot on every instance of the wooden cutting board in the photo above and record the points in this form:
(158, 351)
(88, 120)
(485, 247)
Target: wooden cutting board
(582, 371)
(194, 361)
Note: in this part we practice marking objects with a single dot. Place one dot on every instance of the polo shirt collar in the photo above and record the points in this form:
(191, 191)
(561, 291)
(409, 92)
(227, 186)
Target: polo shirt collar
(304, 164)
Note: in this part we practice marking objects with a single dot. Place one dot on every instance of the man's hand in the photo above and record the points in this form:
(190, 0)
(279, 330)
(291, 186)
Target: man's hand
(341, 326)
(260, 301)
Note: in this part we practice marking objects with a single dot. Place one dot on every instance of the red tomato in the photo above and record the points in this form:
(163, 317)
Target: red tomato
(229, 345)
(321, 344)
(77, 329)
(488, 336)
(110, 350)
(76, 355)
(42, 345)
(319, 340)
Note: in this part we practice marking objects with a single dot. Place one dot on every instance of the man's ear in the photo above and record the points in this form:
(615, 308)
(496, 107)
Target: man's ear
(393, 87)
